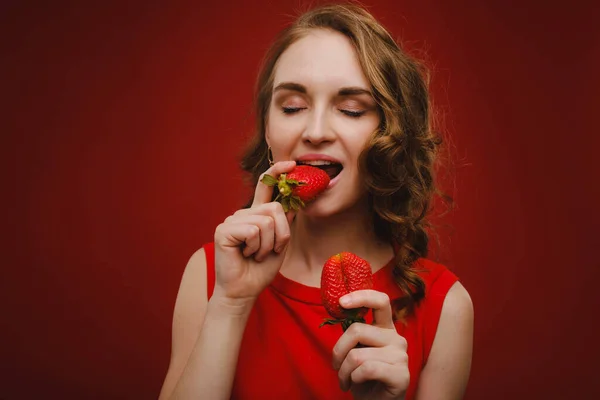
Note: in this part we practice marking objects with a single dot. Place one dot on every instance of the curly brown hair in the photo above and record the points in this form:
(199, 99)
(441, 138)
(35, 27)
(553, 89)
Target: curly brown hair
(398, 162)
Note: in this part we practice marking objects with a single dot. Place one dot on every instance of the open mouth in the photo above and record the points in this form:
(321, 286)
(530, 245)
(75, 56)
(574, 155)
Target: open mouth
(332, 169)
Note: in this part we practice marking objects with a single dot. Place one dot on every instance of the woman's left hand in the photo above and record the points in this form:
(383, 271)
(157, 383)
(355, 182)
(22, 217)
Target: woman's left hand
(378, 368)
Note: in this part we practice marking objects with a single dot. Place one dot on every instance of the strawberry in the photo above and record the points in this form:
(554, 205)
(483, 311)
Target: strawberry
(299, 186)
(344, 273)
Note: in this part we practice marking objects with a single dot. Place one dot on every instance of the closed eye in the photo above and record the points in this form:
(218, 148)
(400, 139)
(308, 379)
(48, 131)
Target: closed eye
(354, 114)
(291, 110)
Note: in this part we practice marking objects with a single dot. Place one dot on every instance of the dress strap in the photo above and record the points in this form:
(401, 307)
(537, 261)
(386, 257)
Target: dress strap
(209, 250)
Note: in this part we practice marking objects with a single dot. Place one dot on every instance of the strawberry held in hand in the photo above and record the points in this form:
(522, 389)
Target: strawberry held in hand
(303, 184)
(342, 274)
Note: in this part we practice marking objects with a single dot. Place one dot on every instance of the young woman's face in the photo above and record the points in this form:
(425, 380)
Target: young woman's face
(322, 109)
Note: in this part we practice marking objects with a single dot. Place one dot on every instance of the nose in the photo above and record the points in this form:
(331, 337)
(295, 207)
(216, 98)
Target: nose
(318, 129)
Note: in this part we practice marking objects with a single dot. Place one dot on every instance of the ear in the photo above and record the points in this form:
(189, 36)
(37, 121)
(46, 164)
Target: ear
(267, 136)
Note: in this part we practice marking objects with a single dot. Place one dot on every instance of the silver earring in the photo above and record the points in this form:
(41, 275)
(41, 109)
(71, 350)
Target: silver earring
(270, 157)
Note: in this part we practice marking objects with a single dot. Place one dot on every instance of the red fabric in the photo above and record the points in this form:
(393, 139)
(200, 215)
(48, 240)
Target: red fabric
(209, 251)
(284, 353)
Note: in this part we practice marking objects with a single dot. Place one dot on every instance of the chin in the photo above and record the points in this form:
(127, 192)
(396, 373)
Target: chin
(327, 206)
(316, 210)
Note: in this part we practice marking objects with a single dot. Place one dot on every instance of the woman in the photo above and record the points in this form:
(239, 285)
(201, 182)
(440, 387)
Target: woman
(335, 87)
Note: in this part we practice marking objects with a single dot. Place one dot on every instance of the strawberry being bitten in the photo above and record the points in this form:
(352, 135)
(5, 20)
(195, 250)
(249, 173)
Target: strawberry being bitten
(344, 273)
(299, 186)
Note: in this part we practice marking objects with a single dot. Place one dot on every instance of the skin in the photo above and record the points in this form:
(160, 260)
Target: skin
(324, 63)
(309, 115)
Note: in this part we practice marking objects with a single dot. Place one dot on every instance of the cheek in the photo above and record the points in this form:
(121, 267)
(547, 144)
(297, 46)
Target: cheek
(280, 135)
(358, 133)
(282, 131)
(357, 141)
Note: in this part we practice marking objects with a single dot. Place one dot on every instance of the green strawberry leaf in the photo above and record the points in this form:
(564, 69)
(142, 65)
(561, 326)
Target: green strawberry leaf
(345, 322)
(295, 203)
(331, 322)
(285, 203)
(349, 321)
(269, 180)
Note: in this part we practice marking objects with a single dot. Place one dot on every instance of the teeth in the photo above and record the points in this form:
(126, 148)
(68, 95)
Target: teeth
(316, 162)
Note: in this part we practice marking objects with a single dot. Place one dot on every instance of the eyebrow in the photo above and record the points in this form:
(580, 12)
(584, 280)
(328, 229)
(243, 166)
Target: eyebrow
(345, 91)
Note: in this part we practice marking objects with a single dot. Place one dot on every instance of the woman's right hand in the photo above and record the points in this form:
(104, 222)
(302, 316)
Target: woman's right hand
(250, 245)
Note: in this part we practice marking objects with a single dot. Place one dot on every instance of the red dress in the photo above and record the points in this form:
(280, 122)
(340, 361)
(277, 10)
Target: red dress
(284, 353)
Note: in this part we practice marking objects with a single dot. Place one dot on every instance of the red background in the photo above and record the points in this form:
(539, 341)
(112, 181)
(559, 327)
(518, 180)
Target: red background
(123, 127)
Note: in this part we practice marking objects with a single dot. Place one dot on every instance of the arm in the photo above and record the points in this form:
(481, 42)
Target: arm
(446, 373)
(190, 309)
(250, 247)
(203, 332)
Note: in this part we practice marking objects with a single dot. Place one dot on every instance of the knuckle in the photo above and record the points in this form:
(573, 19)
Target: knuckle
(355, 357)
(385, 299)
(253, 231)
(336, 352)
(217, 235)
(275, 207)
(355, 330)
(400, 357)
(403, 358)
(404, 377)
(402, 342)
(263, 208)
(369, 369)
(269, 223)
(219, 230)
(266, 223)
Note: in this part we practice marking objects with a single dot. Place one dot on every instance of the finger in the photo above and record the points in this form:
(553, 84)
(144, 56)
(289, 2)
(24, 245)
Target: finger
(235, 235)
(263, 193)
(357, 356)
(378, 301)
(282, 227)
(274, 210)
(395, 377)
(266, 224)
(266, 232)
(366, 335)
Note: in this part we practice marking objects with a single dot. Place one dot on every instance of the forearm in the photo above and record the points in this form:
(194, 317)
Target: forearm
(210, 370)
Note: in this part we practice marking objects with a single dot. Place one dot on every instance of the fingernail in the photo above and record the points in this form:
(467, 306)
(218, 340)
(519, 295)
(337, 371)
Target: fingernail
(345, 301)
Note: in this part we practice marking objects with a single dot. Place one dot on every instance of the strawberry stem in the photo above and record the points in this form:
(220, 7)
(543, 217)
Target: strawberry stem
(346, 322)
(286, 188)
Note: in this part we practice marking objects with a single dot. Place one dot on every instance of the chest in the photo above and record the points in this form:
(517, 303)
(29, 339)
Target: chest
(284, 353)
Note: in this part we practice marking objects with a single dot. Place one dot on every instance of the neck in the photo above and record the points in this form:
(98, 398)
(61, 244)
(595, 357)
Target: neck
(314, 240)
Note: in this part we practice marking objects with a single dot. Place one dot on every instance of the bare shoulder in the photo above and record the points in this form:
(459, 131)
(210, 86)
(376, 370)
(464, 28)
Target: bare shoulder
(446, 374)
(193, 281)
(458, 304)
(188, 316)
(190, 305)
